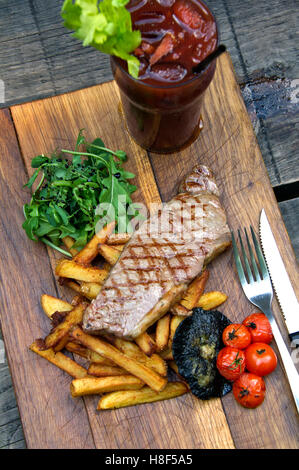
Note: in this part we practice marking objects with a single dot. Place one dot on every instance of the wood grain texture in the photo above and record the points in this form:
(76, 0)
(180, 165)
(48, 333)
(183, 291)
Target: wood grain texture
(11, 432)
(40, 58)
(267, 66)
(25, 274)
(228, 145)
(290, 211)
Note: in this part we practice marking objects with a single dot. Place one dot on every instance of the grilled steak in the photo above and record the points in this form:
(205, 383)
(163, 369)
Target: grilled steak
(162, 257)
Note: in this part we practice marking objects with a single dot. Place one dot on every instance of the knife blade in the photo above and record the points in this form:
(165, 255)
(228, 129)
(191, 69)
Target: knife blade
(282, 285)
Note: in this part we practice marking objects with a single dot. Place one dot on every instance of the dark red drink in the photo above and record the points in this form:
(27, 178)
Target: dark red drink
(162, 106)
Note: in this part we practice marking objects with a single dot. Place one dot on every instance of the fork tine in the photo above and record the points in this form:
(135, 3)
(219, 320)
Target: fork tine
(238, 261)
(253, 262)
(247, 265)
(260, 256)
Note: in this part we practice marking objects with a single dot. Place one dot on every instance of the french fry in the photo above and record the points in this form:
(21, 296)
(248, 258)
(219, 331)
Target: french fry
(110, 253)
(90, 289)
(146, 344)
(60, 360)
(107, 266)
(99, 370)
(151, 378)
(118, 247)
(77, 349)
(174, 323)
(118, 238)
(174, 367)
(69, 242)
(156, 363)
(131, 349)
(195, 290)
(153, 336)
(91, 356)
(167, 354)
(61, 344)
(211, 300)
(90, 251)
(96, 385)
(178, 309)
(60, 332)
(73, 270)
(72, 285)
(96, 358)
(52, 304)
(119, 368)
(162, 332)
(160, 309)
(145, 395)
(76, 300)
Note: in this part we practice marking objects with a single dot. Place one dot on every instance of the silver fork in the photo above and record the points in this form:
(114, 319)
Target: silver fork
(259, 292)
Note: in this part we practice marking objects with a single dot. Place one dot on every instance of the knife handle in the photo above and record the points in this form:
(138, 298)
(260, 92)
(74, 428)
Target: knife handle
(287, 361)
(294, 337)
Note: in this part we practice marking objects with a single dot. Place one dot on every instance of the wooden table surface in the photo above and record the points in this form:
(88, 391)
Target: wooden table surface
(39, 59)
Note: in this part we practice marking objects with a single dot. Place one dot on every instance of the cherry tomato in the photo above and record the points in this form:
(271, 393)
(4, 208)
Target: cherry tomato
(237, 336)
(231, 362)
(259, 327)
(249, 390)
(187, 13)
(260, 359)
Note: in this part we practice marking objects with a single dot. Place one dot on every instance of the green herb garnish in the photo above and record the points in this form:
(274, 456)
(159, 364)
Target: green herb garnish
(105, 25)
(70, 196)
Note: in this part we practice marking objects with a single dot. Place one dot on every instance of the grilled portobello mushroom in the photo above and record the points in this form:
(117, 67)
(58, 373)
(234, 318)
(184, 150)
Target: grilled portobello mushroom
(196, 344)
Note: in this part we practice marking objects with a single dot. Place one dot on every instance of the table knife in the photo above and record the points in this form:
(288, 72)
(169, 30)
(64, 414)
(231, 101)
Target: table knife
(282, 285)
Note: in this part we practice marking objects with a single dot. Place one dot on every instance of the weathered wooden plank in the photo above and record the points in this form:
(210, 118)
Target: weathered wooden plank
(290, 212)
(11, 433)
(41, 127)
(16, 445)
(227, 36)
(227, 144)
(232, 151)
(274, 111)
(268, 65)
(8, 408)
(10, 423)
(40, 58)
(9, 413)
(240, 19)
(265, 33)
(38, 55)
(25, 274)
(24, 71)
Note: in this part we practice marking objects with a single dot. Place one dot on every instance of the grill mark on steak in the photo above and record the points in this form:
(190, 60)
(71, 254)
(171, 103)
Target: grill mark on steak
(153, 264)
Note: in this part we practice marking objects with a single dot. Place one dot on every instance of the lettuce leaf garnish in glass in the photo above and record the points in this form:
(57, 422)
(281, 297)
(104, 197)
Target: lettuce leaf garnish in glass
(105, 25)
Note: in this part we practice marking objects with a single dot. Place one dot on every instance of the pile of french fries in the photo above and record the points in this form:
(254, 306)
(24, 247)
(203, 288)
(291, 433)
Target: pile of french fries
(123, 372)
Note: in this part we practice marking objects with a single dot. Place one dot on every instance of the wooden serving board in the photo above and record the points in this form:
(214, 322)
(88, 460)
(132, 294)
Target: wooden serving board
(50, 417)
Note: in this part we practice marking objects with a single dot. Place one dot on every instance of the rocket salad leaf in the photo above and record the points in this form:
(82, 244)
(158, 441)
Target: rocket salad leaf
(105, 25)
(71, 190)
